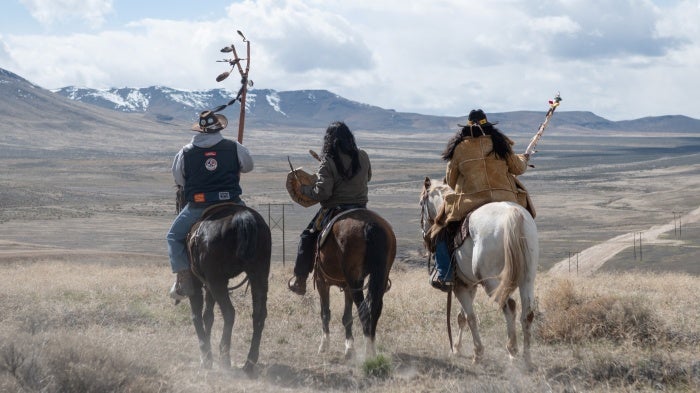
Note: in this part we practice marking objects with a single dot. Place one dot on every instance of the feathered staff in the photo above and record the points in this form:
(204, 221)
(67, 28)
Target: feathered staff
(553, 104)
(245, 82)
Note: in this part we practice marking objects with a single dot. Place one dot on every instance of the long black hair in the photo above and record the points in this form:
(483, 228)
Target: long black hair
(501, 146)
(339, 139)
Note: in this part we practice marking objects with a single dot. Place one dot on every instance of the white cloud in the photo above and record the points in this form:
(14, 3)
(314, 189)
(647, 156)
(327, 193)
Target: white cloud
(48, 12)
(4, 51)
(620, 60)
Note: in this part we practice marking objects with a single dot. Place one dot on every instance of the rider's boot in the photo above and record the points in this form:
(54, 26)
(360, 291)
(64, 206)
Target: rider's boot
(443, 276)
(183, 286)
(304, 262)
(299, 284)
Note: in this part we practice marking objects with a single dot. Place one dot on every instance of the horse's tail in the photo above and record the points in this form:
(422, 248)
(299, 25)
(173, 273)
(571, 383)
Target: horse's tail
(515, 248)
(245, 228)
(376, 254)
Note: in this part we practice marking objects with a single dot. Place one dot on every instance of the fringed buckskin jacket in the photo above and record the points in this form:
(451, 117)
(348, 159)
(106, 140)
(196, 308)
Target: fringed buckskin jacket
(478, 177)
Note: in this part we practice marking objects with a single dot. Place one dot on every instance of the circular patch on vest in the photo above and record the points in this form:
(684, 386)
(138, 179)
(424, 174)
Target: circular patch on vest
(211, 164)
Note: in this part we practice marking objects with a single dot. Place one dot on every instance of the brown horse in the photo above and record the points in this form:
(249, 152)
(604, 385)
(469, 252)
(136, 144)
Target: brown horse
(359, 244)
(230, 239)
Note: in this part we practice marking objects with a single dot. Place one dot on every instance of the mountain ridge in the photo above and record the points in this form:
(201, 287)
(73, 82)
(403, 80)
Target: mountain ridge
(309, 108)
(26, 106)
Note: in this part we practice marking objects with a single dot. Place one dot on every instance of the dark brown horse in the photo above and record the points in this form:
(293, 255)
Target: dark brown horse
(359, 244)
(230, 239)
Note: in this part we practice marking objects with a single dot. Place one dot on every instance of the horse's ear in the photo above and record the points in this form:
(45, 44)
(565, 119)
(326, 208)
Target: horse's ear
(426, 183)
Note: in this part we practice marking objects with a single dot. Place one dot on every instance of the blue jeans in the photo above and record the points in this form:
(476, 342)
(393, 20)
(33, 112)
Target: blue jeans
(177, 250)
(443, 261)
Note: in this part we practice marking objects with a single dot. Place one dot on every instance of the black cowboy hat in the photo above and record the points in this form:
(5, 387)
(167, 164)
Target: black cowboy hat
(210, 122)
(477, 117)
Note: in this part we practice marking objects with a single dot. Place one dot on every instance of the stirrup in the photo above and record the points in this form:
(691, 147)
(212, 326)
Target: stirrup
(175, 295)
(443, 285)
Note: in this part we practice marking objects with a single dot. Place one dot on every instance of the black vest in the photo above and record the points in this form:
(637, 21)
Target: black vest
(212, 174)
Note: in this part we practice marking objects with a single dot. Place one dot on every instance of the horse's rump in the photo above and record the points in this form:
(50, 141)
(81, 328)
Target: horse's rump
(515, 261)
(359, 243)
(228, 230)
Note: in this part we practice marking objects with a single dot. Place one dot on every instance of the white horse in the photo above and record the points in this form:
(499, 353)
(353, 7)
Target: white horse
(501, 254)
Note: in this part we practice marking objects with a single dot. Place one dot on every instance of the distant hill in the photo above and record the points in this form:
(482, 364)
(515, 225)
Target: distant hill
(33, 118)
(147, 119)
(265, 108)
(315, 108)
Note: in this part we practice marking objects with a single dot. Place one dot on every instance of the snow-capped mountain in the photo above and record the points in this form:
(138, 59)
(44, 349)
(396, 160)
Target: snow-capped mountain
(23, 104)
(264, 107)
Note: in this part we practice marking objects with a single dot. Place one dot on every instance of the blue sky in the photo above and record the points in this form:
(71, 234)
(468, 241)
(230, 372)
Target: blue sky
(621, 59)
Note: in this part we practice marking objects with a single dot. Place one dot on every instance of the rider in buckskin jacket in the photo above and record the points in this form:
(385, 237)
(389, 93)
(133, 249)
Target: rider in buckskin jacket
(481, 168)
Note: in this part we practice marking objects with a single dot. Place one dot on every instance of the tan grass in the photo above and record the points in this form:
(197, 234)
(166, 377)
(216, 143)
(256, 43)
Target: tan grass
(107, 321)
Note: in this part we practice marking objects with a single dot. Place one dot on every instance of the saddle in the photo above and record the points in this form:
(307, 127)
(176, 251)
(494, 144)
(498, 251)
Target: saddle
(325, 224)
(462, 232)
(213, 210)
(329, 224)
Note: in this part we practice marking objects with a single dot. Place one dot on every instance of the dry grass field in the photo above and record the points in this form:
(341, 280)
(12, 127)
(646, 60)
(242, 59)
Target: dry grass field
(87, 325)
(84, 276)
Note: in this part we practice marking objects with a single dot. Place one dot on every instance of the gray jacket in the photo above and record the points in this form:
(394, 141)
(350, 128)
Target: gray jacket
(332, 190)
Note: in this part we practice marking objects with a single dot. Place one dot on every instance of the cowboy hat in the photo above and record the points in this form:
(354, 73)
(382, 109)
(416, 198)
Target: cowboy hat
(210, 122)
(477, 117)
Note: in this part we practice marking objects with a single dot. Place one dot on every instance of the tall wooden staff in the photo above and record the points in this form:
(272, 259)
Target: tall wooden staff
(245, 82)
(553, 104)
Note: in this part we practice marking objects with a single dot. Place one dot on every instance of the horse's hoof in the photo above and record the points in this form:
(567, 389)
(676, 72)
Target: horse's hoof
(325, 343)
(250, 370)
(529, 367)
(225, 362)
(349, 353)
(206, 364)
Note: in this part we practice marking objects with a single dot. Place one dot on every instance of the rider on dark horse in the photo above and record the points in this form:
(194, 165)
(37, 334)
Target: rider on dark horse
(208, 169)
(481, 168)
(339, 184)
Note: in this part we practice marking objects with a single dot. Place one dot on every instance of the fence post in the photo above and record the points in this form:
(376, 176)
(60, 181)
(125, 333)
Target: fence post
(279, 223)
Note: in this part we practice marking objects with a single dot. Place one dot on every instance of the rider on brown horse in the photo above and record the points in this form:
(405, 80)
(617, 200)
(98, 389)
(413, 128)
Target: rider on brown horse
(208, 168)
(340, 184)
(481, 168)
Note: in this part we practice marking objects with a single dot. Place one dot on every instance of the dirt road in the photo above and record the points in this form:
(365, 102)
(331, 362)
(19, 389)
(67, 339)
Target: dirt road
(591, 259)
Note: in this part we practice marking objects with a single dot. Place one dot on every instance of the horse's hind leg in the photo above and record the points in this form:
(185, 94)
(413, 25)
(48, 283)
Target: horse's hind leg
(508, 310)
(209, 304)
(258, 289)
(527, 316)
(228, 314)
(363, 309)
(347, 323)
(200, 327)
(324, 295)
(376, 305)
(465, 294)
(509, 313)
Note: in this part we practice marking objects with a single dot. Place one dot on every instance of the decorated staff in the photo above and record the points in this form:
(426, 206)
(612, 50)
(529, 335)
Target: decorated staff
(553, 104)
(235, 62)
